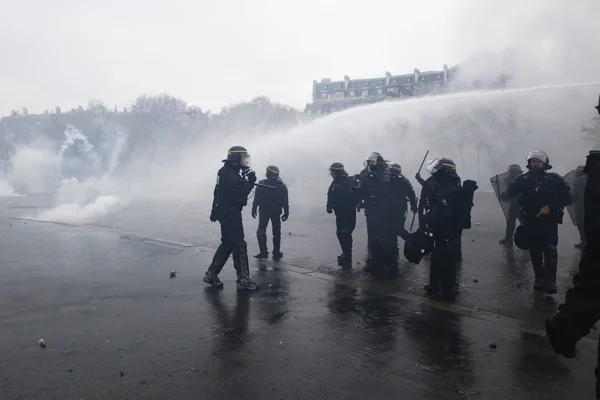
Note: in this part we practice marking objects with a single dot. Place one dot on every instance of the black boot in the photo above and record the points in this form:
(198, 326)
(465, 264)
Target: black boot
(220, 258)
(262, 244)
(277, 254)
(244, 282)
(345, 260)
(550, 267)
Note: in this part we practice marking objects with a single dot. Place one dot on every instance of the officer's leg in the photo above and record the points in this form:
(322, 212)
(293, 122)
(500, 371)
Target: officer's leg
(451, 251)
(240, 255)
(339, 228)
(511, 225)
(436, 268)
(402, 232)
(276, 226)
(345, 228)
(550, 258)
(221, 256)
(536, 252)
(261, 234)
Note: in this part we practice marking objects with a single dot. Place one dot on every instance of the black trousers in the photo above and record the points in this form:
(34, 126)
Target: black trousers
(261, 233)
(444, 263)
(382, 237)
(345, 222)
(544, 256)
(232, 242)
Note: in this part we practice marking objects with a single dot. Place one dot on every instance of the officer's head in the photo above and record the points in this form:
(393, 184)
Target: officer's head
(374, 159)
(273, 172)
(514, 168)
(238, 156)
(441, 167)
(396, 169)
(337, 169)
(537, 160)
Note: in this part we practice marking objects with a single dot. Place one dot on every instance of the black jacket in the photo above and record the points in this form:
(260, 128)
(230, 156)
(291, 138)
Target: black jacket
(540, 188)
(375, 188)
(341, 196)
(271, 201)
(231, 191)
(444, 215)
(402, 192)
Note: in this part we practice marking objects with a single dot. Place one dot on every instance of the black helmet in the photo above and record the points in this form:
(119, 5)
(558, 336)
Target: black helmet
(239, 156)
(538, 155)
(395, 168)
(442, 165)
(273, 172)
(337, 169)
(514, 167)
(580, 168)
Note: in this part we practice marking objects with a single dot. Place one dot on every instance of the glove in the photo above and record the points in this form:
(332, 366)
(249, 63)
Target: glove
(213, 216)
(329, 210)
(284, 217)
(251, 176)
(254, 214)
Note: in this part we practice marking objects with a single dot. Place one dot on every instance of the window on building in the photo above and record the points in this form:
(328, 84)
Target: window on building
(365, 92)
(338, 94)
(323, 95)
(380, 91)
(351, 93)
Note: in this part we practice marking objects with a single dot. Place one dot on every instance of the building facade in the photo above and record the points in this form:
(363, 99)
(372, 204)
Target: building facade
(331, 96)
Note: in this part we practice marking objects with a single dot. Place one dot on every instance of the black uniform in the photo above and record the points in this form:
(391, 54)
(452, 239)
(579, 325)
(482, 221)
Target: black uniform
(375, 193)
(342, 199)
(402, 192)
(538, 189)
(270, 203)
(443, 219)
(230, 197)
(581, 309)
(427, 187)
(578, 195)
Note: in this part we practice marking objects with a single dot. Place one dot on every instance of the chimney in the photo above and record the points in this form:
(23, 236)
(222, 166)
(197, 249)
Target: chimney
(346, 82)
(445, 72)
(314, 91)
(388, 76)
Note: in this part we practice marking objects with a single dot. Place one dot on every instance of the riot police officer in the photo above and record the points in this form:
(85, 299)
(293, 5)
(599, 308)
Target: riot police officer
(443, 220)
(342, 199)
(269, 207)
(402, 192)
(544, 197)
(234, 183)
(375, 194)
(514, 170)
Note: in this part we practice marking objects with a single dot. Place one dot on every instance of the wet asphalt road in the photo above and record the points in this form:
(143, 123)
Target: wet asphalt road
(105, 304)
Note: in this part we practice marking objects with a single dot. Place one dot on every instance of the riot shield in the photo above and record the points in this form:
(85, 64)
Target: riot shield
(500, 184)
(573, 208)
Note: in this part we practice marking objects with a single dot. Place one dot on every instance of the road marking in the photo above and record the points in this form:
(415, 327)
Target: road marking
(498, 319)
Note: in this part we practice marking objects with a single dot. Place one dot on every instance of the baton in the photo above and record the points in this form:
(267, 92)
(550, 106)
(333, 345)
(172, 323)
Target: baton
(421, 167)
(264, 186)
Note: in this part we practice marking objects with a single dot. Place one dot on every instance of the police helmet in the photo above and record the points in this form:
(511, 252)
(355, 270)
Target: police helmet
(273, 172)
(337, 169)
(375, 157)
(239, 156)
(538, 155)
(442, 165)
(515, 167)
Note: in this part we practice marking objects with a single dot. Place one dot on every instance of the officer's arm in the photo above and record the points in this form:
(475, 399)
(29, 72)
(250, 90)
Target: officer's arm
(235, 187)
(286, 203)
(258, 195)
(516, 186)
(564, 195)
(411, 194)
(329, 204)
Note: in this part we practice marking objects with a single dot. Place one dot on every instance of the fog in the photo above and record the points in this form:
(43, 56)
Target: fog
(96, 160)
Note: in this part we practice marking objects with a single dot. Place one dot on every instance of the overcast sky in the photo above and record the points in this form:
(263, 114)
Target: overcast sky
(213, 53)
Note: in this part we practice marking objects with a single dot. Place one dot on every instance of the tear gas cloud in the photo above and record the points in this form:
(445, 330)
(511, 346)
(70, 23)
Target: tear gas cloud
(550, 51)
